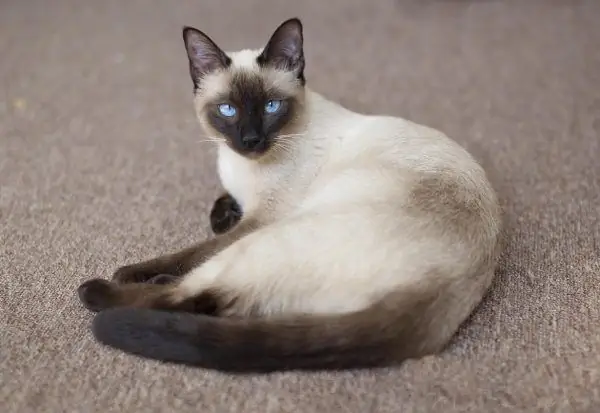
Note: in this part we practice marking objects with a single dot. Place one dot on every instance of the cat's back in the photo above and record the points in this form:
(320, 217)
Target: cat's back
(388, 140)
(424, 166)
(405, 170)
(408, 145)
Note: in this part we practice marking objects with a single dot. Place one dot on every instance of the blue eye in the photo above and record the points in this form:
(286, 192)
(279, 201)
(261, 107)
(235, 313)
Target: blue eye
(227, 110)
(272, 106)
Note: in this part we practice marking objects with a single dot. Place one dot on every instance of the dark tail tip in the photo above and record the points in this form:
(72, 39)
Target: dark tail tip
(147, 333)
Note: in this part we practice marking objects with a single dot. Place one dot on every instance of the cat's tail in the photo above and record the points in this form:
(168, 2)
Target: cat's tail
(386, 333)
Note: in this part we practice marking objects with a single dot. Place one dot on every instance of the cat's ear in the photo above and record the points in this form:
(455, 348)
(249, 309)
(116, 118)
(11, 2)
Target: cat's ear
(204, 55)
(285, 48)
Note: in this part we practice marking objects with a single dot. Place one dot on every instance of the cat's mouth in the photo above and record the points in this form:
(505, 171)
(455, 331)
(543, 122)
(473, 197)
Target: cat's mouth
(252, 148)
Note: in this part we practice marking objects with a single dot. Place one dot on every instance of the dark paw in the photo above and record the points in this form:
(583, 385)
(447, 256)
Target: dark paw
(132, 274)
(96, 294)
(225, 214)
(163, 279)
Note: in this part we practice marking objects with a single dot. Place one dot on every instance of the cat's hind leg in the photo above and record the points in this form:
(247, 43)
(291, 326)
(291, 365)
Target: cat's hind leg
(287, 267)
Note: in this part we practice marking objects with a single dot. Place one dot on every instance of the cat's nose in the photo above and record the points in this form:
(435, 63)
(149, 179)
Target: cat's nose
(252, 141)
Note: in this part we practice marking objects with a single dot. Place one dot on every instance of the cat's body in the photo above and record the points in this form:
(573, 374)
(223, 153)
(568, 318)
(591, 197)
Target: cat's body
(364, 189)
(364, 240)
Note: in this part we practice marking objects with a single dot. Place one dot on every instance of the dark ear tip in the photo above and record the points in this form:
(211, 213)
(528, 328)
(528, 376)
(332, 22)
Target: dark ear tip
(186, 31)
(294, 20)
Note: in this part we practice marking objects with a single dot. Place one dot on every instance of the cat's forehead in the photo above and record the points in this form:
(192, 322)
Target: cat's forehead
(245, 72)
(245, 59)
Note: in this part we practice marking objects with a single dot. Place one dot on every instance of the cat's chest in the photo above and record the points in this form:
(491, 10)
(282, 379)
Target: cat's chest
(240, 178)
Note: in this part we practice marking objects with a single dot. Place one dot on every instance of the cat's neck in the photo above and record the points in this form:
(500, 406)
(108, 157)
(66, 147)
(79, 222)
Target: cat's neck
(290, 168)
(326, 117)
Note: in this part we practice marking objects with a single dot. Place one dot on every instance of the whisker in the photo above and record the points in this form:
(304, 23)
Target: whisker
(291, 134)
(211, 139)
(282, 148)
(285, 144)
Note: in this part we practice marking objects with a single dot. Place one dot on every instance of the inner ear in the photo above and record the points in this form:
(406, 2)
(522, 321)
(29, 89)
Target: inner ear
(284, 50)
(203, 54)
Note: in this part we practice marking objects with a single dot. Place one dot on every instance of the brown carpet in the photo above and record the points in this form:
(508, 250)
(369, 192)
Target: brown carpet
(100, 164)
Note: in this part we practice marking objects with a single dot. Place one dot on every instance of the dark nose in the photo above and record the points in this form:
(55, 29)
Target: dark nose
(252, 141)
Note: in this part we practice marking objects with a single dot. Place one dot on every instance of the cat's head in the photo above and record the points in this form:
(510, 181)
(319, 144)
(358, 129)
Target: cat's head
(249, 98)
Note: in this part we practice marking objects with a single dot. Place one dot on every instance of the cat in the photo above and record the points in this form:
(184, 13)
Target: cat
(360, 241)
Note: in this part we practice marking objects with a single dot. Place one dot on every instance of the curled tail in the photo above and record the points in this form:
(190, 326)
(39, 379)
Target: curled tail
(387, 333)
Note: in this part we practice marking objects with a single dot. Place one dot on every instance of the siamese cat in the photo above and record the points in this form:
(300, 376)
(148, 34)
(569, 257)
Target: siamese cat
(357, 241)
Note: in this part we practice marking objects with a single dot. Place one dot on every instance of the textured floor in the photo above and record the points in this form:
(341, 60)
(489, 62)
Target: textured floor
(101, 164)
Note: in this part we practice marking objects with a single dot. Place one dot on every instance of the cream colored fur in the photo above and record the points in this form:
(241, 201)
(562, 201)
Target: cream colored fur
(348, 214)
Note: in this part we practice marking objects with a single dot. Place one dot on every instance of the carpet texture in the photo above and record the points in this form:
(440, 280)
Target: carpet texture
(101, 164)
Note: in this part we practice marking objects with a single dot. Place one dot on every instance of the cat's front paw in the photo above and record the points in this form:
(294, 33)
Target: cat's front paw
(96, 294)
(135, 273)
(225, 214)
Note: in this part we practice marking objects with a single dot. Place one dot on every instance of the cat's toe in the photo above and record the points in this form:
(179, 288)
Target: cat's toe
(96, 294)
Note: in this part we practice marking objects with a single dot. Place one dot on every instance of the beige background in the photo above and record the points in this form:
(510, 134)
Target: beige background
(100, 164)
